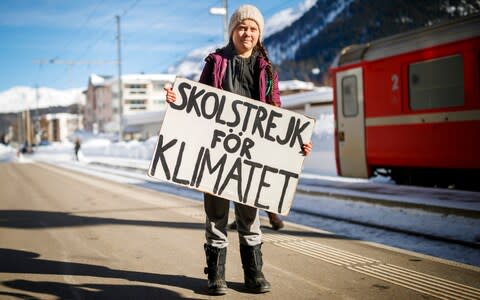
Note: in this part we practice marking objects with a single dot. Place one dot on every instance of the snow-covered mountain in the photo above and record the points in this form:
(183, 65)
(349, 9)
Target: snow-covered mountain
(308, 37)
(315, 39)
(284, 44)
(191, 66)
(286, 17)
(21, 98)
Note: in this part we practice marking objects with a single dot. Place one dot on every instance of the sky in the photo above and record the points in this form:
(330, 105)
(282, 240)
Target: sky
(58, 44)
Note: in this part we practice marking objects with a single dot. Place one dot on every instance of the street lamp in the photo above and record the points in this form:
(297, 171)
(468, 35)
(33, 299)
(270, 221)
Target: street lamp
(222, 11)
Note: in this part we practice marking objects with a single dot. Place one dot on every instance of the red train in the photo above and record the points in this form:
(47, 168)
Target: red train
(408, 106)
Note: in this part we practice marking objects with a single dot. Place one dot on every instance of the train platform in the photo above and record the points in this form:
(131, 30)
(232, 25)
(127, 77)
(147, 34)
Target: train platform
(68, 235)
(434, 199)
(450, 201)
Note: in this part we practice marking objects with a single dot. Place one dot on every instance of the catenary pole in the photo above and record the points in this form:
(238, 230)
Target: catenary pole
(120, 92)
(70, 64)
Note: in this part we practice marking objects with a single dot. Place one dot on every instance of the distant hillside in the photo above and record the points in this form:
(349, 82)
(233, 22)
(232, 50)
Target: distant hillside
(21, 98)
(315, 39)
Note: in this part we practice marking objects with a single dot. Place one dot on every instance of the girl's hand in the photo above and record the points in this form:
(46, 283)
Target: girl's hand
(307, 148)
(170, 96)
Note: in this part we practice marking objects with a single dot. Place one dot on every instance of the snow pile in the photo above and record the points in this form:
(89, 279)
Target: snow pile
(7, 153)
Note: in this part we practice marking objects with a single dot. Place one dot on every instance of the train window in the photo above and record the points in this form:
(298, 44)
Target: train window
(436, 83)
(349, 96)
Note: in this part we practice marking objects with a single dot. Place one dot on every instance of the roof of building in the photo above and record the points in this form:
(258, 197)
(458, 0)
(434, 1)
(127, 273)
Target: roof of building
(98, 80)
(144, 117)
(295, 84)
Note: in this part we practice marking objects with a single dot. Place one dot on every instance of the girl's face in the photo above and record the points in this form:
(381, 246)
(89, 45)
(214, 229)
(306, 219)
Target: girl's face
(245, 37)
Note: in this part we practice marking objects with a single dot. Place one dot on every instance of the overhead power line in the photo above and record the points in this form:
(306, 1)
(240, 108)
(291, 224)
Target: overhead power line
(75, 62)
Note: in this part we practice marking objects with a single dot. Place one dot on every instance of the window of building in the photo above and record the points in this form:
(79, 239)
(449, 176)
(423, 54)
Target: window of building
(138, 108)
(436, 83)
(158, 85)
(136, 86)
(349, 96)
(159, 103)
(136, 102)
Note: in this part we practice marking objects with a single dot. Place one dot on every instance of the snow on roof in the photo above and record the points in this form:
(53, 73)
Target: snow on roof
(295, 85)
(65, 116)
(143, 117)
(318, 95)
(97, 80)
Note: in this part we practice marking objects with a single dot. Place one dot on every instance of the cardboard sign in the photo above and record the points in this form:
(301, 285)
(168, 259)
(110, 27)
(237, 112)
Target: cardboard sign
(231, 146)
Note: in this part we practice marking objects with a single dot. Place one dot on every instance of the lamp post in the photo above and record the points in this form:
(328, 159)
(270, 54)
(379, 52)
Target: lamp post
(316, 73)
(222, 11)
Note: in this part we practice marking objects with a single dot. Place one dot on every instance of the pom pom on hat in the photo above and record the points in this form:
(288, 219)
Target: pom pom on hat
(246, 11)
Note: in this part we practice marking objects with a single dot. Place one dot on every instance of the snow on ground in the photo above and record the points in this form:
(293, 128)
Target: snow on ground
(7, 153)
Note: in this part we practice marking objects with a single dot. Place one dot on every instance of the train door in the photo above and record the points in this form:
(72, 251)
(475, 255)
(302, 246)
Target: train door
(351, 123)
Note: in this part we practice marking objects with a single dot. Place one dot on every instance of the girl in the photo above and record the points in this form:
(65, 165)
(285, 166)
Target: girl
(241, 67)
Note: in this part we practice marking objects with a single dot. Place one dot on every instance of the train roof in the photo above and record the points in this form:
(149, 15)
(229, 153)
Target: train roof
(443, 33)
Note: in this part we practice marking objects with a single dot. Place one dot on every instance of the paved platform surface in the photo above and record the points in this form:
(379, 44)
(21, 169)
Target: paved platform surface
(437, 199)
(66, 235)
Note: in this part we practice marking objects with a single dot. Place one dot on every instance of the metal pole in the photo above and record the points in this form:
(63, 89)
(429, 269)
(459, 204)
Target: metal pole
(70, 64)
(120, 92)
(225, 22)
(19, 129)
(29, 129)
(37, 115)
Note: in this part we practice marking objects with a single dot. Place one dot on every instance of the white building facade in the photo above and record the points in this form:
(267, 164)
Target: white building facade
(141, 94)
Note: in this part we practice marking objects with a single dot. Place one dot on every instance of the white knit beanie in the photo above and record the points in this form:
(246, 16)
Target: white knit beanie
(246, 11)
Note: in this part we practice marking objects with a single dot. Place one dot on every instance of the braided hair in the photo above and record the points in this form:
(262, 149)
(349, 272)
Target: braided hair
(263, 51)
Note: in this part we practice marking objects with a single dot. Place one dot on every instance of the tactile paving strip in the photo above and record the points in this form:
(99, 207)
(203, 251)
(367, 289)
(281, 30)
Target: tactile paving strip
(420, 282)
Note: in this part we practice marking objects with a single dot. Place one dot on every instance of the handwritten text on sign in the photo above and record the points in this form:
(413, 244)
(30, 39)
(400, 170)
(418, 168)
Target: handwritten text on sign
(231, 146)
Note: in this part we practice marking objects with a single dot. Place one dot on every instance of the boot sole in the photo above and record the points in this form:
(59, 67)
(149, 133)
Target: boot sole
(218, 292)
(260, 291)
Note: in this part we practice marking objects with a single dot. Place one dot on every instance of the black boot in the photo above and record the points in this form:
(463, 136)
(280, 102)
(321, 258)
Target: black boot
(233, 225)
(216, 258)
(275, 221)
(255, 281)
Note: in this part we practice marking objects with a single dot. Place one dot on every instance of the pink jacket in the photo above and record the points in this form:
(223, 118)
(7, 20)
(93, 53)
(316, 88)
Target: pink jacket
(214, 71)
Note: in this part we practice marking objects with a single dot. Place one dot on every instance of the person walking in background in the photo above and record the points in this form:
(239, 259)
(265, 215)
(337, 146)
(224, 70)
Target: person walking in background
(241, 67)
(77, 147)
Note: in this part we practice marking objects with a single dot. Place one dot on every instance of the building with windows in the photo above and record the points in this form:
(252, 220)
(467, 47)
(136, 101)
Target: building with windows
(141, 94)
(99, 111)
(58, 127)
